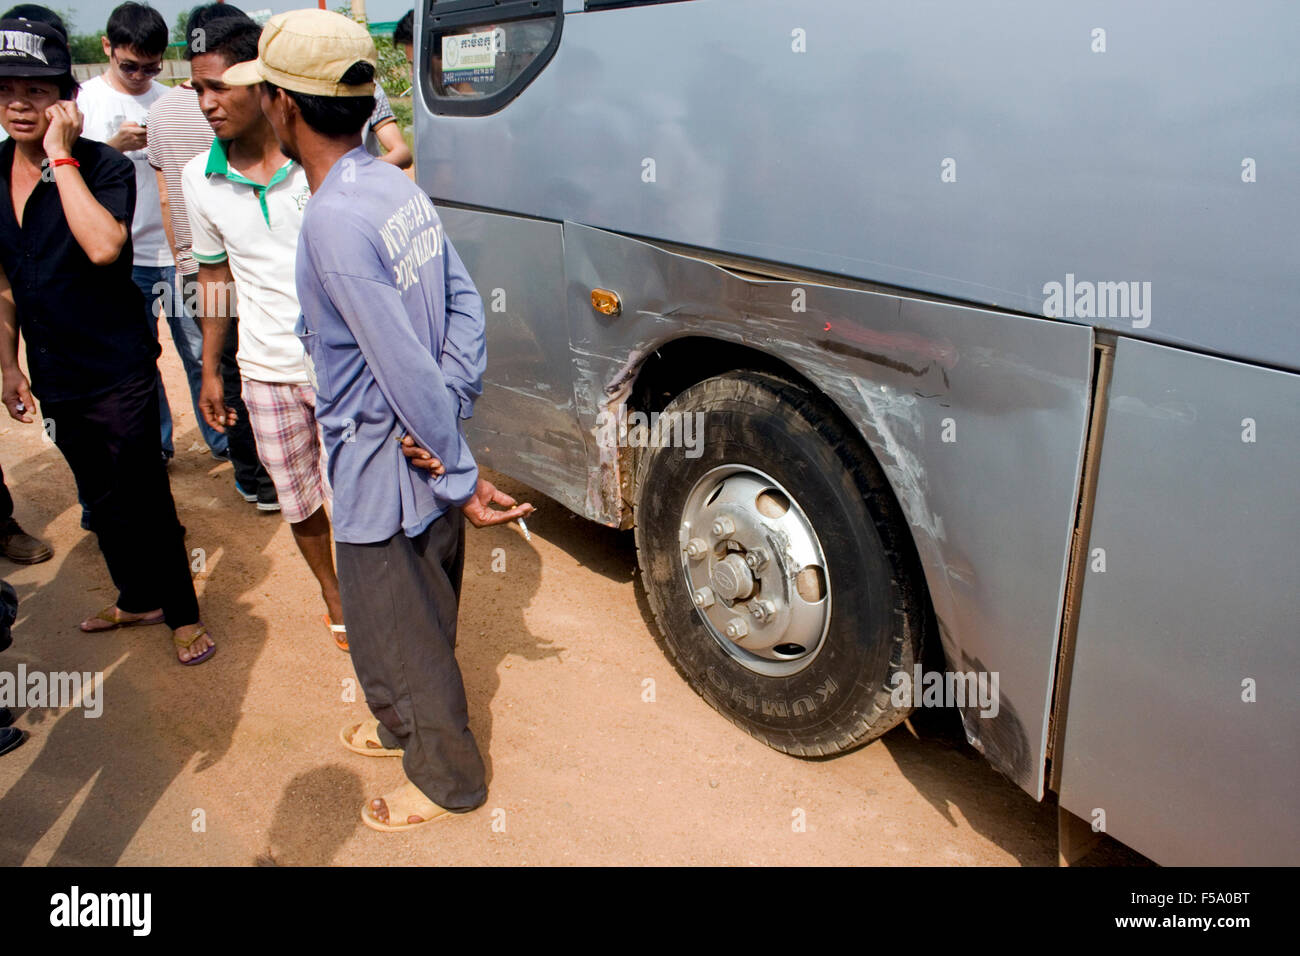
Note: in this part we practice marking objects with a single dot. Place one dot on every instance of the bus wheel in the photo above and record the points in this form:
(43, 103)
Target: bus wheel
(777, 564)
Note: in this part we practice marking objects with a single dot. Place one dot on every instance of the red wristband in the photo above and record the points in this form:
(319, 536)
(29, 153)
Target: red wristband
(65, 161)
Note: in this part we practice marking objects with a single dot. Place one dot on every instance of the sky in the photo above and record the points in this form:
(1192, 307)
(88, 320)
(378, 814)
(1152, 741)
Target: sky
(89, 16)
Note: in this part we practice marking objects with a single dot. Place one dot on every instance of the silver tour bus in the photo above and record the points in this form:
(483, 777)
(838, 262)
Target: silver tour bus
(936, 351)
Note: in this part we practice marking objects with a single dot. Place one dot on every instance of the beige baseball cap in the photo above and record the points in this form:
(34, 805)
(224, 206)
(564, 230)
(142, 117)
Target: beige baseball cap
(308, 51)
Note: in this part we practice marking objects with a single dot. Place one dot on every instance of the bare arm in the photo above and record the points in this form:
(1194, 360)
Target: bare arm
(215, 306)
(16, 389)
(166, 211)
(100, 235)
(390, 137)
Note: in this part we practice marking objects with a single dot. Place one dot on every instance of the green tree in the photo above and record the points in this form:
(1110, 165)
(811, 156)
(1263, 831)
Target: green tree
(393, 73)
(178, 36)
(178, 28)
(84, 47)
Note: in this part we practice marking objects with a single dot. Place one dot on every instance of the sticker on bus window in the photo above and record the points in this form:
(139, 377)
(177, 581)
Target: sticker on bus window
(469, 56)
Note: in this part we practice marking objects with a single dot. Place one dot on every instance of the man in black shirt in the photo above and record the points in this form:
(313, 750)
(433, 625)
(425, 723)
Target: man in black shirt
(65, 282)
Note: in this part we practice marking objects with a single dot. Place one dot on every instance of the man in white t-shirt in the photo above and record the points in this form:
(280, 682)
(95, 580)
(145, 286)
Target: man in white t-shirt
(115, 105)
(245, 201)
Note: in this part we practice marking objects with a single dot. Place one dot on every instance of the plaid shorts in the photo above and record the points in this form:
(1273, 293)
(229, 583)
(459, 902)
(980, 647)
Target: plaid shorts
(289, 444)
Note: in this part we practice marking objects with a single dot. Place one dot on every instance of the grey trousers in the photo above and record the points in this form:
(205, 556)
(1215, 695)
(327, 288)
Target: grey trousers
(400, 599)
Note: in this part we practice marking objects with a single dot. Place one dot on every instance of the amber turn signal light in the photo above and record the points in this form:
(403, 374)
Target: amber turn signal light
(606, 302)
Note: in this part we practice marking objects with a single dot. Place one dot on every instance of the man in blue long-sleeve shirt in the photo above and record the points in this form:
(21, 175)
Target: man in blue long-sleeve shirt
(393, 329)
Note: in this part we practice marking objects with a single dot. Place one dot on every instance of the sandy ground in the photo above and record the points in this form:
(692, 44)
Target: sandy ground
(237, 762)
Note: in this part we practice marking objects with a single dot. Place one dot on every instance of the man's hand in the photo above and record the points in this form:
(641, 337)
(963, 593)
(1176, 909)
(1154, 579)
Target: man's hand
(212, 402)
(129, 136)
(421, 458)
(17, 393)
(65, 126)
(479, 509)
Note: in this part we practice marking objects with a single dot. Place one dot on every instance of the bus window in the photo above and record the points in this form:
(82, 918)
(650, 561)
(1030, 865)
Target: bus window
(606, 4)
(481, 56)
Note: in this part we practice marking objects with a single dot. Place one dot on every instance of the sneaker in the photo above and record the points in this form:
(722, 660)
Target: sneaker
(267, 500)
(11, 737)
(249, 496)
(19, 546)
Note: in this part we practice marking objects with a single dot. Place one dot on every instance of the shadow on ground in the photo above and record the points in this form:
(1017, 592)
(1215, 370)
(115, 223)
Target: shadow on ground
(98, 779)
(311, 822)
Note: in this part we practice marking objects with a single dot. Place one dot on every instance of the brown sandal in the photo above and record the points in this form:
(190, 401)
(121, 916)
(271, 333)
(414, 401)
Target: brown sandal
(107, 616)
(363, 738)
(403, 803)
(184, 644)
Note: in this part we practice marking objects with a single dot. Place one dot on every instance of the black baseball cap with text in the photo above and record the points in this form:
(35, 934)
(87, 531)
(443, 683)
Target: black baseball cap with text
(33, 49)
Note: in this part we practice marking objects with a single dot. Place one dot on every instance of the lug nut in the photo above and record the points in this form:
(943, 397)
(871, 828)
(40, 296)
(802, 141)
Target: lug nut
(696, 548)
(736, 628)
(703, 598)
(763, 611)
(723, 527)
(756, 559)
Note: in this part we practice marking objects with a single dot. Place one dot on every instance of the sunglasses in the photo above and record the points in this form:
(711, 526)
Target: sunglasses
(131, 67)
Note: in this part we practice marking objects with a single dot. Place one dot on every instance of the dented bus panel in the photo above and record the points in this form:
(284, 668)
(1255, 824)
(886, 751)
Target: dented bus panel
(1014, 391)
(942, 220)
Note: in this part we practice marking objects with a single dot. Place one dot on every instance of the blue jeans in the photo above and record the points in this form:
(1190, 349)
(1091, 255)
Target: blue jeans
(188, 338)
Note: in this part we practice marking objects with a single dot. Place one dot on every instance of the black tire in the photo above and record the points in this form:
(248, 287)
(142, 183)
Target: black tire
(841, 699)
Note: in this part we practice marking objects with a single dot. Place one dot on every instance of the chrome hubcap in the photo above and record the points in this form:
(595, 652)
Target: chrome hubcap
(755, 570)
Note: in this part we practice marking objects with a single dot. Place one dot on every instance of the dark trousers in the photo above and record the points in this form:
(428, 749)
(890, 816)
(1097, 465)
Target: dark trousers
(249, 473)
(111, 443)
(400, 599)
(6, 501)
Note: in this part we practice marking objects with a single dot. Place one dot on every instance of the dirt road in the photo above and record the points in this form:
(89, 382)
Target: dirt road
(237, 761)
